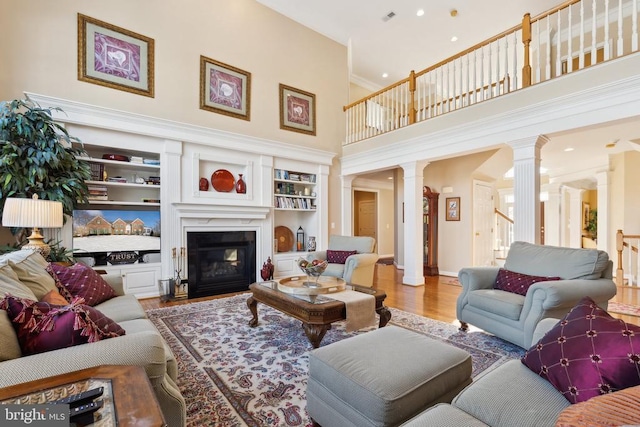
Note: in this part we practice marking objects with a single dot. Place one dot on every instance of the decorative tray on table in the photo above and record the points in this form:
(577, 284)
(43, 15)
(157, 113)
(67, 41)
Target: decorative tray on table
(297, 285)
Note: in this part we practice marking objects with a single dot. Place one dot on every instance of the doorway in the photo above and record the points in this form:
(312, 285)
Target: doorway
(365, 221)
(483, 216)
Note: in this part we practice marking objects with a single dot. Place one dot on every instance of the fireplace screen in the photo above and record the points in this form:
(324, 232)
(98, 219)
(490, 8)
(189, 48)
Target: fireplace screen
(220, 262)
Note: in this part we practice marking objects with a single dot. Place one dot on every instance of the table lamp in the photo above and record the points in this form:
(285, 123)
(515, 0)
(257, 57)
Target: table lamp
(35, 214)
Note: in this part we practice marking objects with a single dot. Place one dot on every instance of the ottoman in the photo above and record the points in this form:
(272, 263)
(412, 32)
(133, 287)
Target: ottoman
(382, 378)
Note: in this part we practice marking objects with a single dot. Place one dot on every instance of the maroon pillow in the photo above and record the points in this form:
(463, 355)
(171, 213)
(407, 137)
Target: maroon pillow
(588, 353)
(41, 326)
(339, 257)
(517, 283)
(81, 281)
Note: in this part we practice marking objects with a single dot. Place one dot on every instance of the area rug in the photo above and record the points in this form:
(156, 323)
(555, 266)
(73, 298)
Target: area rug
(233, 375)
(621, 308)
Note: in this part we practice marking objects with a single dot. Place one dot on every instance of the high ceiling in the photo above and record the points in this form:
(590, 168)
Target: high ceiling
(408, 42)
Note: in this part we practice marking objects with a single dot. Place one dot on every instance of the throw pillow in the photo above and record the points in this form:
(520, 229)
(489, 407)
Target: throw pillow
(54, 298)
(517, 283)
(588, 353)
(30, 267)
(10, 283)
(42, 327)
(81, 281)
(613, 409)
(339, 257)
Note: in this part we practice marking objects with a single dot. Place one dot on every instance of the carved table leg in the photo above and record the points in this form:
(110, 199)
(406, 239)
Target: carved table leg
(464, 326)
(252, 303)
(385, 316)
(315, 333)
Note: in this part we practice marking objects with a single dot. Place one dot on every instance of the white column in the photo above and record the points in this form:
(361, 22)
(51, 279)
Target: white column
(552, 213)
(170, 193)
(526, 188)
(347, 204)
(413, 245)
(604, 198)
(575, 217)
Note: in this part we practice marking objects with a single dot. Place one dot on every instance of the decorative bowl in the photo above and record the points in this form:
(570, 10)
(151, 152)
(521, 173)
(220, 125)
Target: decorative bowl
(312, 270)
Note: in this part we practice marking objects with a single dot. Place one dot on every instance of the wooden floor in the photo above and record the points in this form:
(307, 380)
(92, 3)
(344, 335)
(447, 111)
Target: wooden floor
(436, 299)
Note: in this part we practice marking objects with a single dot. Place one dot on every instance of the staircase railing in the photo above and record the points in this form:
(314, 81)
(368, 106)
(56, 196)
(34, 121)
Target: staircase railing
(628, 270)
(567, 38)
(503, 234)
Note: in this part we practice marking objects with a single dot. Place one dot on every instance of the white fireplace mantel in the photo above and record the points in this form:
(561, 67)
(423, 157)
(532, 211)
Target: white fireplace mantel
(188, 210)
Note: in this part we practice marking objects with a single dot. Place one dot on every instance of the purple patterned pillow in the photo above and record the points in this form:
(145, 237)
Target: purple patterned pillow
(81, 281)
(41, 326)
(588, 353)
(517, 283)
(339, 257)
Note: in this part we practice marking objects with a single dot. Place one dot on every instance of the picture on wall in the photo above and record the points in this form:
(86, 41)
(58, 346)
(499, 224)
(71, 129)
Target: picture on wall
(453, 209)
(115, 57)
(297, 110)
(224, 89)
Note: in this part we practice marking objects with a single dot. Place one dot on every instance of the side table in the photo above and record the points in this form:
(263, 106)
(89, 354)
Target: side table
(133, 398)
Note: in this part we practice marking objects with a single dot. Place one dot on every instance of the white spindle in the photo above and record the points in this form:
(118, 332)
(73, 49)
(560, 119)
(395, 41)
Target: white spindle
(538, 69)
(569, 41)
(498, 76)
(594, 50)
(620, 49)
(431, 97)
(441, 91)
(547, 69)
(397, 112)
(581, 47)
(559, 46)
(507, 87)
(634, 27)
(490, 70)
(481, 74)
(453, 83)
(475, 76)
(460, 82)
(467, 79)
(515, 61)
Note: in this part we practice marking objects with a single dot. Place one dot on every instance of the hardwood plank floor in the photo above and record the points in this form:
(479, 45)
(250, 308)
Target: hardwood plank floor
(436, 299)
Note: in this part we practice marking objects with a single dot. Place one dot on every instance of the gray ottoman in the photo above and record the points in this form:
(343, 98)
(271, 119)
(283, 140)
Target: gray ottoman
(383, 378)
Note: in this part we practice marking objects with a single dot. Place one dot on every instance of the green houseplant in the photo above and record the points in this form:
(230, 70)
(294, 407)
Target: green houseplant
(592, 224)
(37, 156)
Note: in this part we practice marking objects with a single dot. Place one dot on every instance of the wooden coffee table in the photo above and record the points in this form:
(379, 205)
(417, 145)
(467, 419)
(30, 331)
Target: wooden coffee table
(316, 317)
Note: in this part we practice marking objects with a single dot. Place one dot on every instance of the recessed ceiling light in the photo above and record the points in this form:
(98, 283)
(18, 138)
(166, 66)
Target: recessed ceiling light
(612, 144)
(420, 12)
(454, 39)
(569, 149)
(385, 75)
(389, 177)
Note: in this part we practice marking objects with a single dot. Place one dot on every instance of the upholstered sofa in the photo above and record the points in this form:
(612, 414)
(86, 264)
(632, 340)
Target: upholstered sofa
(23, 275)
(357, 268)
(514, 317)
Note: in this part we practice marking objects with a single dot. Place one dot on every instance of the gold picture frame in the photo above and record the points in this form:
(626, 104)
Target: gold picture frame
(115, 57)
(225, 89)
(297, 110)
(452, 209)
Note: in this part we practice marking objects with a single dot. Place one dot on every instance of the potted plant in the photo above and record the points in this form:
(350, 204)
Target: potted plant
(592, 224)
(37, 156)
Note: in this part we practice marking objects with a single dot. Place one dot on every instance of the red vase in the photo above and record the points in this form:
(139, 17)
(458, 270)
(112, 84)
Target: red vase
(203, 185)
(241, 186)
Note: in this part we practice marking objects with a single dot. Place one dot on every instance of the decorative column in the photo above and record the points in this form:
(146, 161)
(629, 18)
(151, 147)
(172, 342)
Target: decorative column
(170, 193)
(413, 244)
(347, 205)
(552, 212)
(526, 188)
(604, 201)
(575, 217)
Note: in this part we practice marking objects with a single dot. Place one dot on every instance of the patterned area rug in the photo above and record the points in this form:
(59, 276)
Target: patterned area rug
(233, 375)
(621, 308)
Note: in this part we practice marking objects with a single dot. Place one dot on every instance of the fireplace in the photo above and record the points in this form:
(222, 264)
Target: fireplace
(220, 262)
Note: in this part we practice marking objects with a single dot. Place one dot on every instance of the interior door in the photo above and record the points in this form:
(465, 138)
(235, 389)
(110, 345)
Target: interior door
(483, 216)
(367, 218)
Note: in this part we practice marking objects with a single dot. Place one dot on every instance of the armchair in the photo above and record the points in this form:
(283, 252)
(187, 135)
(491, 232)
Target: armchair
(514, 317)
(358, 268)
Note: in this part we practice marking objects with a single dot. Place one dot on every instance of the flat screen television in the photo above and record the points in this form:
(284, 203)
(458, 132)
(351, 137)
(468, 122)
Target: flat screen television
(116, 236)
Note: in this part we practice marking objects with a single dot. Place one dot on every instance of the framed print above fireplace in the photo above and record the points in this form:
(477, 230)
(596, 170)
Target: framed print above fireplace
(297, 110)
(225, 89)
(115, 57)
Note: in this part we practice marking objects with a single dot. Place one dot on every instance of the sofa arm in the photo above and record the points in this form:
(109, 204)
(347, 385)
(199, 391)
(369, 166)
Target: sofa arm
(144, 349)
(115, 281)
(566, 293)
(359, 269)
(474, 278)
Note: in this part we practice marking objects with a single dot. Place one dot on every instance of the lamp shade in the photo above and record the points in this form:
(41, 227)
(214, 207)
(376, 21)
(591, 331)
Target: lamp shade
(32, 213)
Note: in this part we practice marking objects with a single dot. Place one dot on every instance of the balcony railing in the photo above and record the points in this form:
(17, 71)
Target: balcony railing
(570, 37)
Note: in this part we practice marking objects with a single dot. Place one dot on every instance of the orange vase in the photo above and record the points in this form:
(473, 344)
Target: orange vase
(241, 186)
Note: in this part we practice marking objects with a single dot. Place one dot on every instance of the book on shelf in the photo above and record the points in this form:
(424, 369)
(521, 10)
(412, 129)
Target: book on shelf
(97, 171)
(97, 197)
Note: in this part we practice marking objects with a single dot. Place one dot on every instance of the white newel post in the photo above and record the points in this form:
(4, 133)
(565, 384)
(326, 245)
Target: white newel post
(526, 188)
(413, 244)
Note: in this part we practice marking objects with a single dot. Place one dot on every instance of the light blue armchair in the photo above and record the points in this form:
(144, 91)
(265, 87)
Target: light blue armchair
(358, 269)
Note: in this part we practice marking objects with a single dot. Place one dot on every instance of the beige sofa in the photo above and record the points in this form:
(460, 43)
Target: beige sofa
(141, 345)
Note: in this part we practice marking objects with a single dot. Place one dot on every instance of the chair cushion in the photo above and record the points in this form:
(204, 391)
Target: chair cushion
(588, 353)
(567, 263)
(41, 326)
(518, 283)
(338, 257)
(501, 303)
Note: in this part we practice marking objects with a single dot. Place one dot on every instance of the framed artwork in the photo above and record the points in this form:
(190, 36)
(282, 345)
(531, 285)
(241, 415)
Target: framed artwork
(297, 110)
(114, 57)
(225, 89)
(453, 209)
(586, 208)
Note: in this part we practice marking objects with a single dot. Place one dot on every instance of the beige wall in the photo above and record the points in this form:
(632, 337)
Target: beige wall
(40, 56)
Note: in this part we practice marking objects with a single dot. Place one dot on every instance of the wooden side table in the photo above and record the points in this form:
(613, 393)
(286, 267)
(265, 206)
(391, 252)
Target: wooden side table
(133, 397)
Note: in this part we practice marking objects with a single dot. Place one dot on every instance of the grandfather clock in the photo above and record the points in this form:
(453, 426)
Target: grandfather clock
(430, 231)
